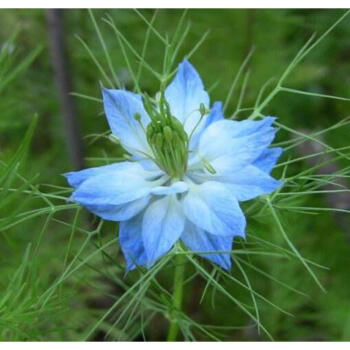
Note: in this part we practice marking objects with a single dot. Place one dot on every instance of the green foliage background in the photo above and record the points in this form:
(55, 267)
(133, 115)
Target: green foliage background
(33, 253)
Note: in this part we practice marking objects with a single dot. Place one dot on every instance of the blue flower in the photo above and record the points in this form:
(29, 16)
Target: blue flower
(190, 168)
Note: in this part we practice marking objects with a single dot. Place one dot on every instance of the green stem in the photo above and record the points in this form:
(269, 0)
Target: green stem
(177, 296)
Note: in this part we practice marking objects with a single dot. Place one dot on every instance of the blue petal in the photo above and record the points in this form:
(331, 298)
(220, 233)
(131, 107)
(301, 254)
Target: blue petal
(216, 114)
(113, 187)
(228, 146)
(162, 226)
(212, 207)
(148, 164)
(185, 94)
(130, 239)
(197, 239)
(119, 212)
(251, 182)
(76, 178)
(268, 159)
(249, 127)
(120, 108)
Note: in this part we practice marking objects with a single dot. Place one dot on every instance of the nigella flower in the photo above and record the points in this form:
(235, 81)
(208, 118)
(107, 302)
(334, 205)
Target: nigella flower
(190, 168)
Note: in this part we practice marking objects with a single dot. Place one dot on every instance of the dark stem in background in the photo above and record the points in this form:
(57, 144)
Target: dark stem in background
(60, 63)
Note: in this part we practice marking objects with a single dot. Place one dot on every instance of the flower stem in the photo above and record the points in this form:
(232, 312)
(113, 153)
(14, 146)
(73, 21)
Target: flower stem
(177, 296)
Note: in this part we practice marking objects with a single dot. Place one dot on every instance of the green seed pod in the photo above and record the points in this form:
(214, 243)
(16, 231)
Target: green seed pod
(176, 124)
(168, 134)
(168, 139)
(183, 136)
(158, 142)
(149, 131)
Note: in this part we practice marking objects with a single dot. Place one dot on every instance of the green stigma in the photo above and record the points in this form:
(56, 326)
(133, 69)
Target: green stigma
(167, 138)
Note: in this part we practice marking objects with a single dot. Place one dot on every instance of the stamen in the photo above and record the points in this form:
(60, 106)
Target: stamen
(209, 167)
(137, 117)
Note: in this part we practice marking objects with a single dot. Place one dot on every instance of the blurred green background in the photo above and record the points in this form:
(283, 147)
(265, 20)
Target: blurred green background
(276, 35)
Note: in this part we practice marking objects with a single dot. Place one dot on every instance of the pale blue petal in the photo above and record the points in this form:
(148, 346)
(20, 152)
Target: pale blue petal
(120, 108)
(212, 207)
(177, 187)
(130, 239)
(197, 239)
(216, 114)
(227, 150)
(163, 224)
(119, 212)
(268, 159)
(148, 164)
(251, 182)
(76, 178)
(233, 129)
(102, 190)
(185, 94)
(248, 127)
(114, 187)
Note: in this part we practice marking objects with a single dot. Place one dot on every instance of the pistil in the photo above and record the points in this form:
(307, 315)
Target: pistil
(167, 138)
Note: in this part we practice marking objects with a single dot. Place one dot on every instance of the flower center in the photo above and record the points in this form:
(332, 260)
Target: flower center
(167, 138)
